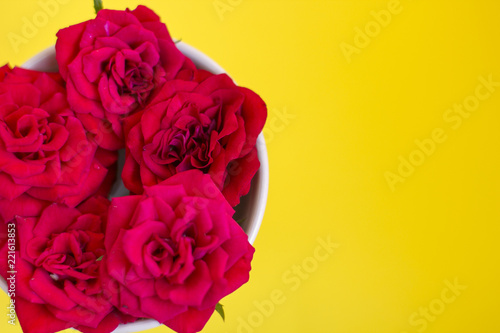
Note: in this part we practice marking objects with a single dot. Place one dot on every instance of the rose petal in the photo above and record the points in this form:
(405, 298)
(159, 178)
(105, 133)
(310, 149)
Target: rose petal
(50, 87)
(142, 288)
(24, 274)
(47, 178)
(86, 88)
(119, 17)
(10, 191)
(77, 316)
(44, 286)
(99, 27)
(59, 137)
(236, 142)
(149, 53)
(171, 58)
(112, 101)
(161, 310)
(144, 14)
(95, 61)
(170, 88)
(136, 238)
(171, 195)
(55, 219)
(237, 275)
(67, 45)
(190, 321)
(93, 304)
(254, 111)
(104, 136)
(108, 324)
(81, 104)
(131, 175)
(120, 215)
(214, 83)
(76, 142)
(23, 205)
(194, 289)
(130, 304)
(89, 186)
(149, 125)
(35, 318)
(148, 178)
(239, 184)
(117, 262)
(10, 164)
(25, 94)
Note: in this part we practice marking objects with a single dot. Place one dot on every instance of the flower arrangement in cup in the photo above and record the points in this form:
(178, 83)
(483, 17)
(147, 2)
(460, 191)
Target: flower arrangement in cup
(169, 251)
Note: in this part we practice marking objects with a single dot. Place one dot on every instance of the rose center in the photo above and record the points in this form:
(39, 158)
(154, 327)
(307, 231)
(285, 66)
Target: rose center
(187, 145)
(132, 78)
(173, 255)
(38, 132)
(65, 256)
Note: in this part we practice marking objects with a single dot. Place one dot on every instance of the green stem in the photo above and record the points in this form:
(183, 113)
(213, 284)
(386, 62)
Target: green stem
(97, 5)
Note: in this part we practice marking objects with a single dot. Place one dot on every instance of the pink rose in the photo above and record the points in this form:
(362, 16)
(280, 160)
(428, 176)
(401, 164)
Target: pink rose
(44, 150)
(209, 124)
(113, 64)
(175, 251)
(58, 262)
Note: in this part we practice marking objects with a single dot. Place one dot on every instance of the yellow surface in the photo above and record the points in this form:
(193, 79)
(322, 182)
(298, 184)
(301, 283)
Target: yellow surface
(344, 111)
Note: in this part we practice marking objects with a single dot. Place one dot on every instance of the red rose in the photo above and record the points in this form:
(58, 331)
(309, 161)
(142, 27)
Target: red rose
(44, 150)
(175, 251)
(58, 269)
(210, 125)
(114, 63)
(23, 205)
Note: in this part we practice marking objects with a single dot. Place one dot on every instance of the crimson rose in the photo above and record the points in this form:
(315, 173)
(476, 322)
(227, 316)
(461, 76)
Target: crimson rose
(209, 124)
(44, 150)
(113, 64)
(175, 252)
(58, 269)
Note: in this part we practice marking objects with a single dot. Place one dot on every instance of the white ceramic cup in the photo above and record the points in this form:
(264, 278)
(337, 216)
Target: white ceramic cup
(251, 209)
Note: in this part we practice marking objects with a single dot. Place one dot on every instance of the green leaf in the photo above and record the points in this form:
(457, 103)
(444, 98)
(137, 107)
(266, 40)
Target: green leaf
(100, 258)
(240, 221)
(178, 41)
(98, 5)
(220, 310)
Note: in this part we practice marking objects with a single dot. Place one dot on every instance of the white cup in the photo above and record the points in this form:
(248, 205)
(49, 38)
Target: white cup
(251, 209)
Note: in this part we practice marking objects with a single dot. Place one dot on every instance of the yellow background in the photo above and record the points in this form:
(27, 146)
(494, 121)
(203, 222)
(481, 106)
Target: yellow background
(335, 128)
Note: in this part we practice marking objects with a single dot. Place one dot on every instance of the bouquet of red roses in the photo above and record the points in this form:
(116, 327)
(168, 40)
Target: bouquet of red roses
(170, 250)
